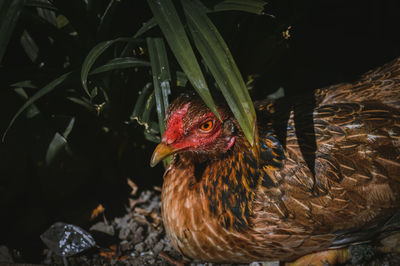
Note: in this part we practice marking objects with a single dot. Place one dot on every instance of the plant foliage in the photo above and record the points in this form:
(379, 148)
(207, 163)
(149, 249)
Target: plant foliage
(104, 63)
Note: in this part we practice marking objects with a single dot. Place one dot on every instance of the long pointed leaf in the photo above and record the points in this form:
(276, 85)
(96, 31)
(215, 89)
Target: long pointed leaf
(92, 57)
(140, 104)
(24, 84)
(119, 63)
(146, 26)
(32, 110)
(161, 77)
(151, 101)
(56, 145)
(218, 58)
(41, 4)
(9, 14)
(45, 90)
(172, 28)
(106, 18)
(251, 6)
(83, 102)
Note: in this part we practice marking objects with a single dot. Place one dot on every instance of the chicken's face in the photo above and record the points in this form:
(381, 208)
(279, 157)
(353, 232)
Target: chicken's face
(192, 127)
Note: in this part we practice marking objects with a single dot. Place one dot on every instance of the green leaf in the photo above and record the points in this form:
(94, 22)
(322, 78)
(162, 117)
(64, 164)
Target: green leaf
(161, 77)
(59, 142)
(45, 90)
(279, 93)
(146, 26)
(140, 104)
(143, 119)
(24, 84)
(152, 137)
(172, 28)
(30, 46)
(219, 60)
(119, 63)
(251, 6)
(153, 129)
(41, 4)
(151, 101)
(56, 145)
(92, 57)
(9, 14)
(32, 110)
(83, 102)
(67, 130)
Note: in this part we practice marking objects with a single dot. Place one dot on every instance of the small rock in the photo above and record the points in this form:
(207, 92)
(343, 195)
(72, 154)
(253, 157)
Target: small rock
(152, 238)
(147, 253)
(141, 219)
(140, 247)
(125, 245)
(155, 204)
(267, 263)
(134, 226)
(145, 195)
(122, 222)
(104, 228)
(124, 233)
(67, 239)
(158, 248)
(138, 235)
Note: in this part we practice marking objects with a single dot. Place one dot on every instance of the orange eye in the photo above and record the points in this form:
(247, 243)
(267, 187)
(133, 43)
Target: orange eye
(207, 126)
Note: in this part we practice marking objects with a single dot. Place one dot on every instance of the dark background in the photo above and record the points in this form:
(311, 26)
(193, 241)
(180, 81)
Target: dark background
(330, 42)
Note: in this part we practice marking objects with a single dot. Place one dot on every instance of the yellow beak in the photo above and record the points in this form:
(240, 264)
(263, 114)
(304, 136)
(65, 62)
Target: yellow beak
(161, 152)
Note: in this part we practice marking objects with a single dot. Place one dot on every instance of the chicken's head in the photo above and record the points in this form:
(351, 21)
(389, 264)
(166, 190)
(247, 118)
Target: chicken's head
(192, 128)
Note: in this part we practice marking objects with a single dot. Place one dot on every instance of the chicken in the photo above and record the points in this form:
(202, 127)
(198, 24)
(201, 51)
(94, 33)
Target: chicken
(325, 177)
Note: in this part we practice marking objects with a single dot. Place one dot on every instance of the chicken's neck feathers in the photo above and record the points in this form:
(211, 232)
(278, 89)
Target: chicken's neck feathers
(231, 181)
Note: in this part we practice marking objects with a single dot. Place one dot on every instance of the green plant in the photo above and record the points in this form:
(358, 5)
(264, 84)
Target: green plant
(215, 57)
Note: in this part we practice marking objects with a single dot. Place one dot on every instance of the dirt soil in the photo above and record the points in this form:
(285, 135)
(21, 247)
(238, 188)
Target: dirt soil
(138, 238)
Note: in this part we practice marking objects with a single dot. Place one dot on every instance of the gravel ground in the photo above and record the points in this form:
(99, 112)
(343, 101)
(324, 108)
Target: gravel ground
(138, 238)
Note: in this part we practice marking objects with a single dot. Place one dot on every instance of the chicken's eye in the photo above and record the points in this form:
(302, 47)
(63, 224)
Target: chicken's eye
(207, 126)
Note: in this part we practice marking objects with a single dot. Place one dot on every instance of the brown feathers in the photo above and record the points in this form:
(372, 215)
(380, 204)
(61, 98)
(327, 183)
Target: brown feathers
(321, 185)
